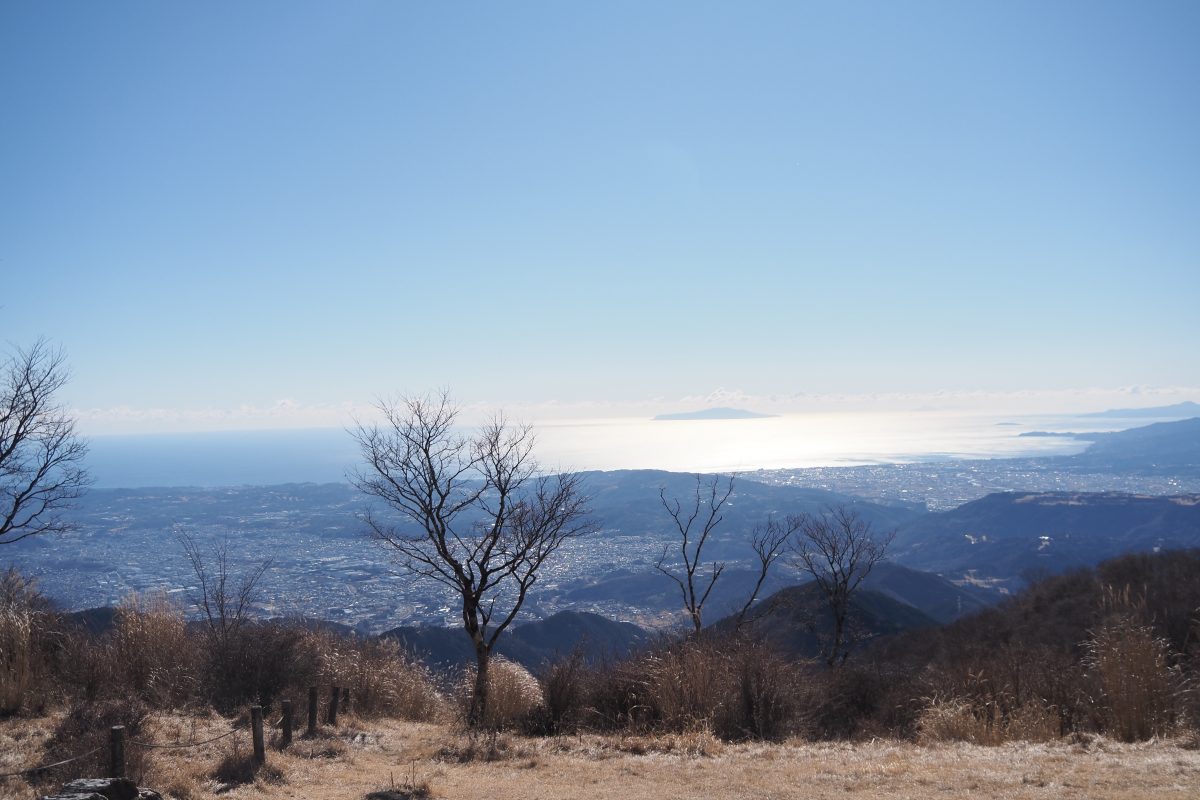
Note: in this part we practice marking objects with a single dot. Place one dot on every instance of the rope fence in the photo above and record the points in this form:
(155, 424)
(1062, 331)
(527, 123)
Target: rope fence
(147, 745)
(118, 741)
(180, 746)
(47, 767)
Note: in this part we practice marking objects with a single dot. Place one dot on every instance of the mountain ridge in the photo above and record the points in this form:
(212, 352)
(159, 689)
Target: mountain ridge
(1005, 535)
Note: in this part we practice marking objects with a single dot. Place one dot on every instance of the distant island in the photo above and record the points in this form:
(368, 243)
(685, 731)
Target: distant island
(714, 413)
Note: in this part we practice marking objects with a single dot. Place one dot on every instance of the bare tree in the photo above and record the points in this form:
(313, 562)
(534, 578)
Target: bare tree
(241, 661)
(41, 457)
(705, 508)
(838, 549)
(695, 525)
(226, 606)
(769, 542)
(482, 520)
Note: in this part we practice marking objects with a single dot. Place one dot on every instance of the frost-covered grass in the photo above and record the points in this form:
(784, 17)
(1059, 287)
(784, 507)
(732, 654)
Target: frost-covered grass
(365, 756)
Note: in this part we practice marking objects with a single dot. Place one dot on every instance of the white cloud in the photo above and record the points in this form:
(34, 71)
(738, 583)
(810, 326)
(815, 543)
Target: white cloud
(1031, 401)
(291, 413)
(284, 413)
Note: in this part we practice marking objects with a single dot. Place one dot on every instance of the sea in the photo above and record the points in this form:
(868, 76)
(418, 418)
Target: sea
(235, 458)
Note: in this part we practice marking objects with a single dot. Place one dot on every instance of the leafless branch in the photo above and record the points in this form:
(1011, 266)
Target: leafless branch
(475, 514)
(41, 456)
(226, 608)
(769, 541)
(709, 497)
(839, 550)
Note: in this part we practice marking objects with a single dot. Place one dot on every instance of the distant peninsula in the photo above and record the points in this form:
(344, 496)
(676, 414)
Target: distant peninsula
(714, 413)
(1059, 434)
(1184, 409)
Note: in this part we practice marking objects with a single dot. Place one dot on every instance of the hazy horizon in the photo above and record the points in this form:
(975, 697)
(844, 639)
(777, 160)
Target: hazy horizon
(289, 415)
(325, 455)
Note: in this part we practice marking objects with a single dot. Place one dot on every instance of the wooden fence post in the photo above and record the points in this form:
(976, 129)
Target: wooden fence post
(260, 750)
(333, 705)
(286, 738)
(116, 752)
(312, 711)
(345, 708)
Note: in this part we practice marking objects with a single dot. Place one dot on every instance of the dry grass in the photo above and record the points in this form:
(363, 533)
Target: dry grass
(16, 625)
(382, 678)
(1140, 689)
(737, 688)
(961, 721)
(151, 654)
(482, 746)
(416, 760)
(514, 695)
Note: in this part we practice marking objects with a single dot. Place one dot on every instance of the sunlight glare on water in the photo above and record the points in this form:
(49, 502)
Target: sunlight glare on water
(799, 440)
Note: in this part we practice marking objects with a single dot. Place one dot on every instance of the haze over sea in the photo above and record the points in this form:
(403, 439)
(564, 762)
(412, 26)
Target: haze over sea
(778, 442)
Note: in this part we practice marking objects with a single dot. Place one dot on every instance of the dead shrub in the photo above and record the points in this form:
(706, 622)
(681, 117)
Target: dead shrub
(959, 720)
(699, 743)
(1140, 690)
(482, 745)
(182, 789)
(83, 663)
(237, 769)
(618, 698)
(564, 692)
(1190, 706)
(841, 703)
(688, 684)
(733, 687)
(16, 634)
(170, 779)
(514, 695)
(27, 628)
(253, 663)
(768, 702)
(382, 678)
(152, 655)
(1033, 722)
(679, 685)
(951, 720)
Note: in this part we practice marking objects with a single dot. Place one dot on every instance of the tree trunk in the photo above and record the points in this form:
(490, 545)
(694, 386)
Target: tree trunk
(839, 632)
(477, 716)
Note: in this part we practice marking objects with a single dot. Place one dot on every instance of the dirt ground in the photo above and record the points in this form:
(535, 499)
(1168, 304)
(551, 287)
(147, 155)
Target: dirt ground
(430, 760)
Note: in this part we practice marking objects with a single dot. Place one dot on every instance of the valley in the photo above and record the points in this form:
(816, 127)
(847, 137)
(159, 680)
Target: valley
(983, 526)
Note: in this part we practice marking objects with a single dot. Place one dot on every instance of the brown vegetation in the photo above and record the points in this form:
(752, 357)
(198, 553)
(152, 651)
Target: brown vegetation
(433, 760)
(1056, 677)
(481, 519)
(514, 696)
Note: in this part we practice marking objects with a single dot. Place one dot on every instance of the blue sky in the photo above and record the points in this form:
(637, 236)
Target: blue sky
(230, 212)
